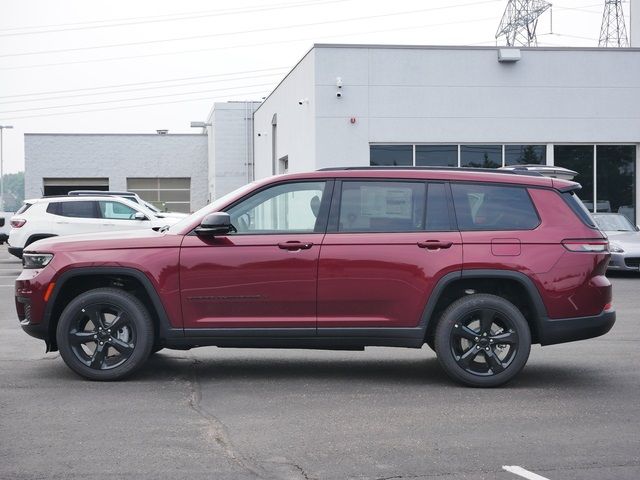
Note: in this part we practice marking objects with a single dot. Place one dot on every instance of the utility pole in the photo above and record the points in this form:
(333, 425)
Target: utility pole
(613, 32)
(519, 22)
(2, 129)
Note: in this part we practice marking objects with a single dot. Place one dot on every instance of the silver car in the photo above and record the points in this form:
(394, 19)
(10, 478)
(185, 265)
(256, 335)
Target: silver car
(624, 241)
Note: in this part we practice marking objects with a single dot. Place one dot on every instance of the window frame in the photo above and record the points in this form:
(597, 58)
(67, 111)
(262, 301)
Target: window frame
(323, 213)
(497, 184)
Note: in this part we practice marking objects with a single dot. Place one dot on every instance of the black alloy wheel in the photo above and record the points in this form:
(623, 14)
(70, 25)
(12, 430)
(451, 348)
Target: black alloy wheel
(482, 340)
(105, 334)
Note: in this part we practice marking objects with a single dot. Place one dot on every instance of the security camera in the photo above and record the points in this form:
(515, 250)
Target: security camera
(300, 102)
(339, 94)
(339, 82)
(303, 101)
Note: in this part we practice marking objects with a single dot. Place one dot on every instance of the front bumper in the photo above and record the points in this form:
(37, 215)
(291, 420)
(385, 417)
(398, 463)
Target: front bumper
(624, 262)
(579, 328)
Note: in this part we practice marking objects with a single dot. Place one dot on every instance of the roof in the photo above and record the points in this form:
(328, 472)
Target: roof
(470, 47)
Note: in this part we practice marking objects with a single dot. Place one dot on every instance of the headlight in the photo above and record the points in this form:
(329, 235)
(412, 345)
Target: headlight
(36, 260)
(615, 248)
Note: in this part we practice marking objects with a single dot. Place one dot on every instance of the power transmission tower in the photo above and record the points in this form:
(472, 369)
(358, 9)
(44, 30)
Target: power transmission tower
(613, 32)
(519, 22)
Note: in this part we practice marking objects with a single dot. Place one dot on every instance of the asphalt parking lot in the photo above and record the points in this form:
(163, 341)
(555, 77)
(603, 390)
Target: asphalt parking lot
(574, 412)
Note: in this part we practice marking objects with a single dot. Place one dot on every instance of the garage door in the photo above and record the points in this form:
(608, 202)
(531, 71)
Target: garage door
(168, 193)
(62, 186)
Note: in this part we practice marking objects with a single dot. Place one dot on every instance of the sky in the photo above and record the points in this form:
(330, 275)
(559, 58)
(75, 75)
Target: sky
(123, 66)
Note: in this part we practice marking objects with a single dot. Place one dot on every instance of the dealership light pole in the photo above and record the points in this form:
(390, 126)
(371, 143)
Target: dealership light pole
(2, 128)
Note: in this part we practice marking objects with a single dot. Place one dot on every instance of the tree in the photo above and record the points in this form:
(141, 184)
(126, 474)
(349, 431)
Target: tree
(13, 191)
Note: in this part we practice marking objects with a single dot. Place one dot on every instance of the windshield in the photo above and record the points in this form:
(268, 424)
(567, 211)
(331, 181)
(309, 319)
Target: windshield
(212, 207)
(150, 206)
(614, 222)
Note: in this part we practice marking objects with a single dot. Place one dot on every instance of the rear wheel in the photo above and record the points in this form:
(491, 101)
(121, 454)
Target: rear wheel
(482, 340)
(105, 334)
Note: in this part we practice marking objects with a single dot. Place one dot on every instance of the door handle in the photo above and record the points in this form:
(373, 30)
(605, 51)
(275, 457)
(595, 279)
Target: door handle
(294, 245)
(434, 244)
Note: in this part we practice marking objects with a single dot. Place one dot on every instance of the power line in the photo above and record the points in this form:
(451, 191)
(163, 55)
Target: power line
(102, 102)
(257, 30)
(160, 18)
(186, 100)
(246, 45)
(115, 92)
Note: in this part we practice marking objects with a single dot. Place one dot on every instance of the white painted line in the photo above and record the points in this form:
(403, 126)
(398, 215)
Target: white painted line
(7, 286)
(523, 473)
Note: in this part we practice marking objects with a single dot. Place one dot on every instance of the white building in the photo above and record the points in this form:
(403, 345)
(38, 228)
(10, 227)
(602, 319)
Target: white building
(167, 170)
(360, 105)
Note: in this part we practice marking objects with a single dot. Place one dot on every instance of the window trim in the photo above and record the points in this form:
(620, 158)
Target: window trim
(506, 185)
(322, 213)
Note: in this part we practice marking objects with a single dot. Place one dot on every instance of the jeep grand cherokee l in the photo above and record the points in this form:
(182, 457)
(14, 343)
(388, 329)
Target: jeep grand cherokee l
(476, 264)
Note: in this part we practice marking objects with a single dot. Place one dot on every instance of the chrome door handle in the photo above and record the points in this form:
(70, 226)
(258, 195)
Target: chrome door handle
(294, 245)
(434, 244)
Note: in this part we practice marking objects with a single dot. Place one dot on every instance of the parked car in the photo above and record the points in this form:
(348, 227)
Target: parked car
(476, 264)
(132, 196)
(55, 216)
(624, 241)
(5, 226)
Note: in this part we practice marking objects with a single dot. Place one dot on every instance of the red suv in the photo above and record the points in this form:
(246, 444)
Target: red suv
(476, 264)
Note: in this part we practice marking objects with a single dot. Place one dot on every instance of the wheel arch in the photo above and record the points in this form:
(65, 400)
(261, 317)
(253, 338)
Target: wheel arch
(516, 287)
(34, 237)
(79, 280)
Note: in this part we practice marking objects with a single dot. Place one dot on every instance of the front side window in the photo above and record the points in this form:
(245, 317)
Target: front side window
(116, 211)
(79, 209)
(291, 207)
(493, 207)
(382, 207)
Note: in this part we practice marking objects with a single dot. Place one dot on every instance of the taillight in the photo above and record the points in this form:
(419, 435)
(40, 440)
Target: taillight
(17, 222)
(598, 245)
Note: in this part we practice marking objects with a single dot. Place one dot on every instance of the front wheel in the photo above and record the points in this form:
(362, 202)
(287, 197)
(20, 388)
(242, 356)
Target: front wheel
(482, 340)
(105, 334)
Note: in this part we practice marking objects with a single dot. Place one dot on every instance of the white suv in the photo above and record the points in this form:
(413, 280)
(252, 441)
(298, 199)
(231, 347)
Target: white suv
(52, 216)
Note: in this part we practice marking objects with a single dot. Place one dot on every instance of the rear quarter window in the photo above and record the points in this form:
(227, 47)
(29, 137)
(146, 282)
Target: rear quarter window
(579, 209)
(493, 207)
(24, 208)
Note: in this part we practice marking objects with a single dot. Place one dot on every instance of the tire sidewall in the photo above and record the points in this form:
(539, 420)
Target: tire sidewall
(139, 317)
(459, 310)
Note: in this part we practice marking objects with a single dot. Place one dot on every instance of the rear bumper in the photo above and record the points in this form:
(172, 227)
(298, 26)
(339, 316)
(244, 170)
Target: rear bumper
(15, 251)
(580, 328)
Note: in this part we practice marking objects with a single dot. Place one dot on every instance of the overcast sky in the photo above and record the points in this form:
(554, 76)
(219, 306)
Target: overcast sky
(137, 66)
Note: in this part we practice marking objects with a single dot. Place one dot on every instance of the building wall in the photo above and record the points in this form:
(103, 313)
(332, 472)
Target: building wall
(295, 131)
(230, 147)
(116, 157)
(634, 23)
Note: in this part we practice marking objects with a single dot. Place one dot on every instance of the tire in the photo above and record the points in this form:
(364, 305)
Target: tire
(94, 350)
(482, 340)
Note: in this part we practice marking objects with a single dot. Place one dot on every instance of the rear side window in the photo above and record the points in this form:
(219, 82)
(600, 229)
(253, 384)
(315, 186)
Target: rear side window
(80, 209)
(23, 208)
(493, 207)
(579, 209)
(382, 207)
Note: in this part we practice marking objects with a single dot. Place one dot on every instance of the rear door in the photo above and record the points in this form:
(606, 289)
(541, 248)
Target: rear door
(73, 217)
(387, 245)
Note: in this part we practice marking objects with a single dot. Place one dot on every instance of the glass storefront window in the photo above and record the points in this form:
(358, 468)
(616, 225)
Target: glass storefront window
(436, 155)
(482, 156)
(580, 159)
(525, 154)
(615, 179)
(391, 155)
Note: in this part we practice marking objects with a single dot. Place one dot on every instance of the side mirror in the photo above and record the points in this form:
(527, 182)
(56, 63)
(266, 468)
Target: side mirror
(218, 223)
(140, 216)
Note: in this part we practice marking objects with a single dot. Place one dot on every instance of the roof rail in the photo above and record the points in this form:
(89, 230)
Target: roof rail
(529, 173)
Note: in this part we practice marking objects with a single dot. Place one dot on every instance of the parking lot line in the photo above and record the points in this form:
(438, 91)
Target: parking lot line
(523, 473)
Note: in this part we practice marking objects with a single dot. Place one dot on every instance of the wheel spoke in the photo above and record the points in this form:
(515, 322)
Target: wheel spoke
(96, 316)
(124, 348)
(120, 321)
(99, 356)
(465, 332)
(494, 361)
(505, 337)
(79, 338)
(467, 357)
(486, 320)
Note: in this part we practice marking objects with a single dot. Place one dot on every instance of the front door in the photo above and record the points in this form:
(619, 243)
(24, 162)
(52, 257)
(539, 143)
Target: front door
(265, 274)
(387, 245)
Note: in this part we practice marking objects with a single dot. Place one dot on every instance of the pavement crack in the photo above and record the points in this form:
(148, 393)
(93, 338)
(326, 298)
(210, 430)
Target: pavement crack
(215, 428)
